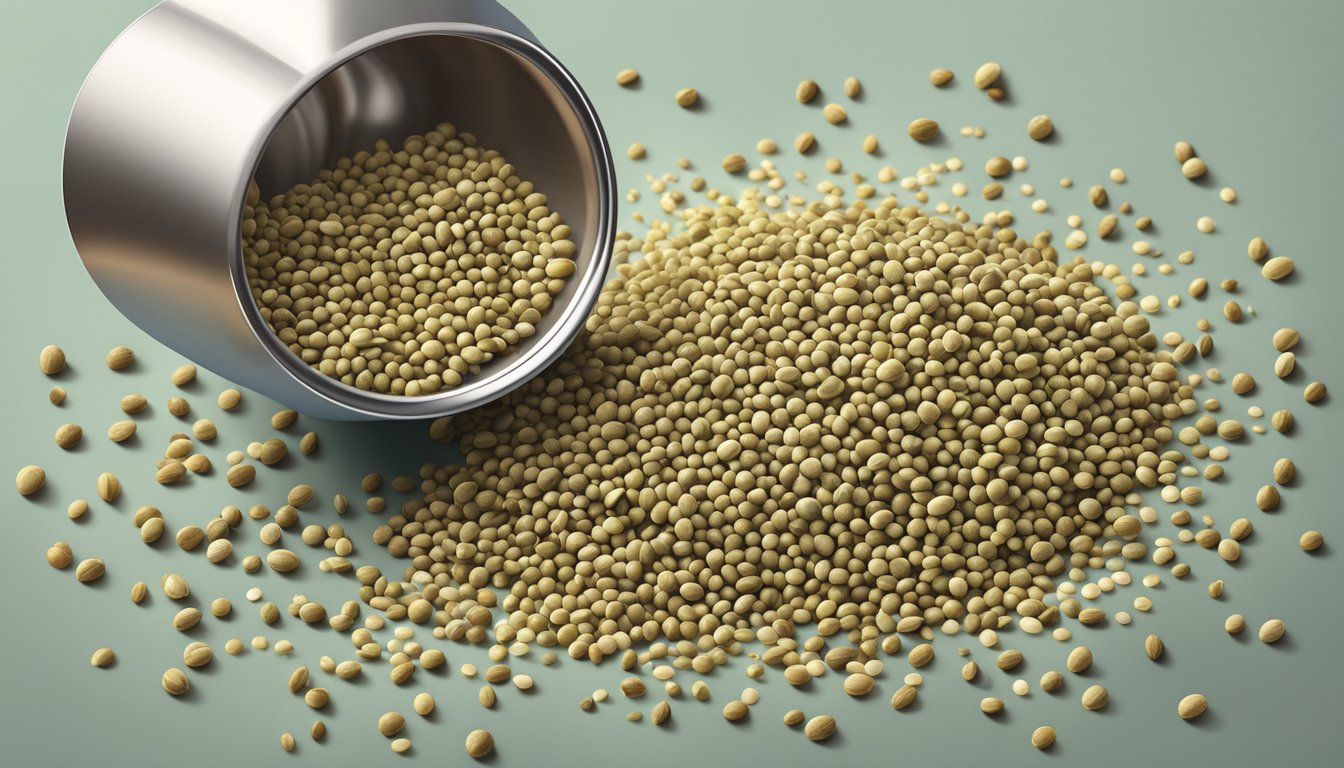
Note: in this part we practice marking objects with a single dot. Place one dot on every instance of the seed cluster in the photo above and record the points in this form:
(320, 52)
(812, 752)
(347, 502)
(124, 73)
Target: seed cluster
(404, 271)
(843, 413)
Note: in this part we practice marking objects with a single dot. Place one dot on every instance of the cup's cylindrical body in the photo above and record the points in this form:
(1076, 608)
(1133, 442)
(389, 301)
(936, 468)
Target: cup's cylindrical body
(198, 97)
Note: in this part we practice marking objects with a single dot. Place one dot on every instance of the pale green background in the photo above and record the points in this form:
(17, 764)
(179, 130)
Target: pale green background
(1254, 85)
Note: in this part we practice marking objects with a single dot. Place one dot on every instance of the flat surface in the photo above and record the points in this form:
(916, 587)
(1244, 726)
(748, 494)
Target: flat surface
(1256, 93)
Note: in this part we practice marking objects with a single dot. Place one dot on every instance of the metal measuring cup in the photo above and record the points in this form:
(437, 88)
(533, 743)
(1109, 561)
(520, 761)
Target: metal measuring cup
(198, 97)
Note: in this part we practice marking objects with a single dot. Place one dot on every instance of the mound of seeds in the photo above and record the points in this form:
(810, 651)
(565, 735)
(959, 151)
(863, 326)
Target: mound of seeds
(404, 271)
(837, 414)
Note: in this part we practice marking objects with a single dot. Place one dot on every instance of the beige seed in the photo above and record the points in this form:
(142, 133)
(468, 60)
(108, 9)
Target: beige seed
(1040, 127)
(1314, 392)
(987, 75)
(423, 704)
(904, 697)
(633, 687)
(59, 555)
(486, 697)
(858, 685)
(921, 655)
(30, 480)
(298, 679)
(480, 743)
(178, 406)
(807, 91)
(1079, 660)
(197, 654)
(852, 87)
(991, 705)
(1311, 541)
(923, 129)
(1095, 697)
(1192, 706)
(284, 418)
(51, 360)
(687, 97)
(69, 435)
(940, 77)
(184, 374)
(120, 358)
(187, 619)
(282, 560)
(1243, 383)
(317, 698)
(391, 723)
(794, 718)
(56, 395)
(820, 728)
(1277, 268)
(1271, 631)
(734, 163)
(189, 537)
(1286, 339)
(834, 114)
(805, 142)
(1235, 624)
(90, 570)
(175, 587)
(1153, 647)
(1043, 737)
(1194, 168)
(175, 682)
(103, 657)
(221, 607)
(1052, 681)
(1285, 364)
(660, 714)
(139, 591)
(229, 399)
(627, 77)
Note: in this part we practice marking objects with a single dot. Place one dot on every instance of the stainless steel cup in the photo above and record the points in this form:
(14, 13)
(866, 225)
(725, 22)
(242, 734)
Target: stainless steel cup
(197, 97)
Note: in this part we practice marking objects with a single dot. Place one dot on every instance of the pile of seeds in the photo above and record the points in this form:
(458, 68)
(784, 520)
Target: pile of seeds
(403, 272)
(814, 430)
(860, 415)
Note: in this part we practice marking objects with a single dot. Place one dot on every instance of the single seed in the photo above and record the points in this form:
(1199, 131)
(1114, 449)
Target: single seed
(69, 435)
(1192, 706)
(175, 682)
(317, 698)
(120, 358)
(139, 591)
(423, 704)
(391, 723)
(1277, 268)
(923, 129)
(59, 555)
(230, 399)
(1311, 541)
(183, 375)
(734, 163)
(904, 697)
(175, 587)
(51, 360)
(1286, 339)
(1314, 392)
(687, 97)
(1095, 697)
(187, 619)
(197, 654)
(940, 77)
(30, 480)
(627, 77)
(1271, 631)
(103, 657)
(1040, 127)
(1043, 737)
(1079, 660)
(820, 728)
(480, 743)
(1235, 624)
(282, 560)
(1194, 168)
(90, 570)
(987, 75)
(834, 114)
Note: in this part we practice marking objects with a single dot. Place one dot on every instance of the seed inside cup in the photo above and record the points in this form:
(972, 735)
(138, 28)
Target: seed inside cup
(406, 298)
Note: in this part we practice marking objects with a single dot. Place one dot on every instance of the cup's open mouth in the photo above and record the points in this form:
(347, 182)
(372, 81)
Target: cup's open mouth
(515, 98)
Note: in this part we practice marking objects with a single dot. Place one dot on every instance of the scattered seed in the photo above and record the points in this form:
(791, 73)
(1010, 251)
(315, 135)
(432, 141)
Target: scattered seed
(480, 743)
(923, 129)
(1192, 706)
(103, 657)
(175, 682)
(120, 358)
(1271, 631)
(627, 77)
